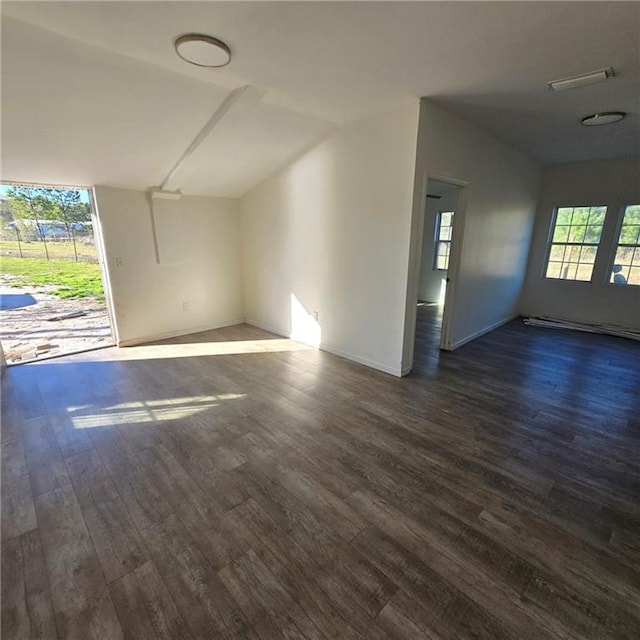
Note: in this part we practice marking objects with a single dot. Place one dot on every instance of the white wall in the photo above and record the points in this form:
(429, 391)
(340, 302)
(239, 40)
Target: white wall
(614, 183)
(148, 297)
(501, 198)
(330, 233)
(430, 286)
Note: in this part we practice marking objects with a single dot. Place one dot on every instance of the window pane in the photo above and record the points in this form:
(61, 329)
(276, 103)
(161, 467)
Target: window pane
(588, 254)
(626, 268)
(632, 214)
(442, 255)
(576, 234)
(572, 254)
(580, 216)
(629, 234)
(593, 234)
(561, 234)
(569, 271)
(446, 218)
(553, 269)
(564, 216)
(584, 272)
(557, 252)
(624, 255)
(596, 217)
(619, 274)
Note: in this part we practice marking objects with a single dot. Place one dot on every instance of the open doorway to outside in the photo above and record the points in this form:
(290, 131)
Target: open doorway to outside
(52, 291)
(440, 218)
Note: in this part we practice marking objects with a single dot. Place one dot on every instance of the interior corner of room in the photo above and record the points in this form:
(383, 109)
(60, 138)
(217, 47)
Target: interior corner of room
(283, 252)
(313, 222)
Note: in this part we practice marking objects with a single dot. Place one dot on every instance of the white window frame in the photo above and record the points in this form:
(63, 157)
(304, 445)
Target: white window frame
(617, 245)
(438, 241)
(551, 243)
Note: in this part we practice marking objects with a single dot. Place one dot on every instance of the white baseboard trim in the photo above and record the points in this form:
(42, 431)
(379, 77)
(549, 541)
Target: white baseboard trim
(373, 364)
(481, 332)
(132, 342)
(332, 350)
(266, 327)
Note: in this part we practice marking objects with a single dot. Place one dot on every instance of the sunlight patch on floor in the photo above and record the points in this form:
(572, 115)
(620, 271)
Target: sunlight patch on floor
(195, 349)
(145, 411)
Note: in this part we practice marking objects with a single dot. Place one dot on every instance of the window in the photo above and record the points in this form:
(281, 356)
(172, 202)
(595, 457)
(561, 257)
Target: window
(626, 268)
(444, 226)
(574, 243)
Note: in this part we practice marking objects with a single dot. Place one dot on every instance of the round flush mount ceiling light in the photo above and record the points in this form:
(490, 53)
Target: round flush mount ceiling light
(202, 50)
(607, 117)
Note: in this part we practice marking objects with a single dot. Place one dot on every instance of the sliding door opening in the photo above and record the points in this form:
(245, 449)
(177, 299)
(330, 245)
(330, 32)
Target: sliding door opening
(53, 299)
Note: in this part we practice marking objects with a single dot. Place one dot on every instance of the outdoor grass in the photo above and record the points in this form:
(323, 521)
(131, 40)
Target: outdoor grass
(57, 249)
(71, 279)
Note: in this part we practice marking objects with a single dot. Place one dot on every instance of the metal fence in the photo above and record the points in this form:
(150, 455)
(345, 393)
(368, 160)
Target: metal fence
(51, 248)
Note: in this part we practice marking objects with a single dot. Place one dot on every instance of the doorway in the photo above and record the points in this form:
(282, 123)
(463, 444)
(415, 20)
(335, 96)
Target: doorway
(438, 250)
(53, 293)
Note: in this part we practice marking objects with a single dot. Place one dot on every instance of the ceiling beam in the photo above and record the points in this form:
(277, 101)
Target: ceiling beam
(243, 97)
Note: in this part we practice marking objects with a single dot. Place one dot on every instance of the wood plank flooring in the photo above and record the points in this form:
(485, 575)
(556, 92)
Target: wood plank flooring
(237, 485)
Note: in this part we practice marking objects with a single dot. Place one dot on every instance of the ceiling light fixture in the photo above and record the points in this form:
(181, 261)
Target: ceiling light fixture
(202, 50)
(581, 80)
(606, 117)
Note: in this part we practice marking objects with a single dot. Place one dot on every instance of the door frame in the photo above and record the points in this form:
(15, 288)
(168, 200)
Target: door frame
(99, 243)
(102, 261)
(415, 261)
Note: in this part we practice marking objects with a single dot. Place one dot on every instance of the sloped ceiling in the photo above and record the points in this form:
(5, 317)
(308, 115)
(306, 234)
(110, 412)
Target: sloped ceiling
(93, 93)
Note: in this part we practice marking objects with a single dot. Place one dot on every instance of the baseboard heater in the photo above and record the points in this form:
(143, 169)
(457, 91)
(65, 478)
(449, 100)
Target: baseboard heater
(608, 329)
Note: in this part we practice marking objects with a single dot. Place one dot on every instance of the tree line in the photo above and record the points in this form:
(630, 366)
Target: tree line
(32, 211)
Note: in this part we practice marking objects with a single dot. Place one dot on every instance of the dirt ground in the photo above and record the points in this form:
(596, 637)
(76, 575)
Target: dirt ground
(33, 324)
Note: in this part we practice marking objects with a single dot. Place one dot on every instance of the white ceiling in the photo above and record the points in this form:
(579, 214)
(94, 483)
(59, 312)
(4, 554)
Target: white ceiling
(93, 93)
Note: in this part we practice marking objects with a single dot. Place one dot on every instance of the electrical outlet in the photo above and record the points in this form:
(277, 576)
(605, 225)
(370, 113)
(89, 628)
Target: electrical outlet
(119, 262)
(186, 306)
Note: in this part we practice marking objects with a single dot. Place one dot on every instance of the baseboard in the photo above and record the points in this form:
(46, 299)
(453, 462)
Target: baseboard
(332, 350)
(266, 327)
(132, 342)
(373, 364)
(481, 332)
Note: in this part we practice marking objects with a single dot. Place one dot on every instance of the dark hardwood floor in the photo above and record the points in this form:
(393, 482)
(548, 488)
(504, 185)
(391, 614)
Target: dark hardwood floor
(236, 485)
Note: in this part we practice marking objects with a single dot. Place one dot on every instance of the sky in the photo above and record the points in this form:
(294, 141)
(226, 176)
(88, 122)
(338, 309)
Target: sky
(84, 194)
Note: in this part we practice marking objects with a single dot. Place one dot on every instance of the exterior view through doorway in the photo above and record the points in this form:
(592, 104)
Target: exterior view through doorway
(53, 293)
